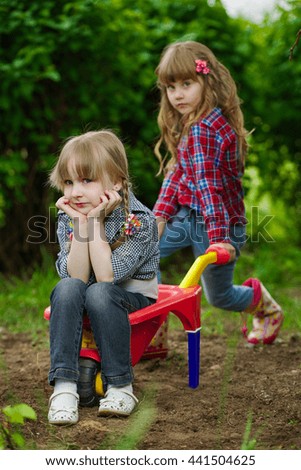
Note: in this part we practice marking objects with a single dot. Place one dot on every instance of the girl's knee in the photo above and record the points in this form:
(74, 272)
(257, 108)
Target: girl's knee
(69, 285)
(219, 299)
(100, 293)
(68, 291)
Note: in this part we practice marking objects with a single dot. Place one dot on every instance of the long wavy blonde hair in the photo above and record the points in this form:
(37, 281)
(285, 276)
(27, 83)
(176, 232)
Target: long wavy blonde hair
(219, 90)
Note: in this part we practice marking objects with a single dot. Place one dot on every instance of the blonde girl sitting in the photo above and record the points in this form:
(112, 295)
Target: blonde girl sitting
(108, 264)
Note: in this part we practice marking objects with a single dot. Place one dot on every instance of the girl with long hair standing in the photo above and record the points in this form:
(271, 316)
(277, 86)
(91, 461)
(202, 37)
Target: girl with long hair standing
(201, 201)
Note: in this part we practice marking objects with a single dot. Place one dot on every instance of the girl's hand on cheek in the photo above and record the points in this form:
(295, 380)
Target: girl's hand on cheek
(64, 204)
(114, 200)
(108, 202)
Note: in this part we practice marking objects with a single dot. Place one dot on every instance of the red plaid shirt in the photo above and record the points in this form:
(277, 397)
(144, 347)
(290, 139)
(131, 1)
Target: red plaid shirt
(206, 178)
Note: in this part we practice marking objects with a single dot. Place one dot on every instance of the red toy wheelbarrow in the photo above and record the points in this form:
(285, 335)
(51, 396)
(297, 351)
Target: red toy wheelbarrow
(184, 301)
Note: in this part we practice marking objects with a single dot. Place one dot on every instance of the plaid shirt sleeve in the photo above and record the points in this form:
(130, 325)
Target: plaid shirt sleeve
(204, 151)
(167, 202)
(64, 242)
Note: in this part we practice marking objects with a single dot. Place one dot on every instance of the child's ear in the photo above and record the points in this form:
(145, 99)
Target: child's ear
(117, 186)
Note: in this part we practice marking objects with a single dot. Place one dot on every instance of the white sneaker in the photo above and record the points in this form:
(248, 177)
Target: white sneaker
(59, 414)
(117, 403)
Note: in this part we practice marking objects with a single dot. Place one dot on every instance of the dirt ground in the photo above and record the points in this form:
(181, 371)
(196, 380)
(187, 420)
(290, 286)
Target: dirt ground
(237, 383)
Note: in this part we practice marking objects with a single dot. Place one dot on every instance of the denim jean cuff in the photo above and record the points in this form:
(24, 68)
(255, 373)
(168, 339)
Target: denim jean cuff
(119, 380)
(64, 374)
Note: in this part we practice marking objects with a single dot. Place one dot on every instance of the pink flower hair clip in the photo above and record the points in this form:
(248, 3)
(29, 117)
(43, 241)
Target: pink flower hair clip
(201, 67)
(131, 225)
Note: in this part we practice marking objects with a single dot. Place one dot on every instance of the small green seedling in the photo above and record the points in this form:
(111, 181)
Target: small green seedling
(13, 417)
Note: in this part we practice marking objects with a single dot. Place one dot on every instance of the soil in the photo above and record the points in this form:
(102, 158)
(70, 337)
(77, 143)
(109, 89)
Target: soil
(241, 388)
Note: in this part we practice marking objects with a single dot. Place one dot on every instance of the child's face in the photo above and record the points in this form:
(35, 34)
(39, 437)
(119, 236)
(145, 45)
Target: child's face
(184, 95)
(84, 194)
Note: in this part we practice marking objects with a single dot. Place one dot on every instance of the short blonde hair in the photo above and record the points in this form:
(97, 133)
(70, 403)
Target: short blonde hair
(97, 155)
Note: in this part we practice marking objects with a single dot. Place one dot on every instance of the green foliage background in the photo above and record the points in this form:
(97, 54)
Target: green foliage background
(71, 65)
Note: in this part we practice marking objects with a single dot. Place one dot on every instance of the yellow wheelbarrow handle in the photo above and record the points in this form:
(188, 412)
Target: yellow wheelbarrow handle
(216, 255)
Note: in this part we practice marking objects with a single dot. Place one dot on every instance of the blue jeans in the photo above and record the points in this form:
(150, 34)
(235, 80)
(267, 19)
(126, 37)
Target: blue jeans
(107, 306)
(186, 229)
